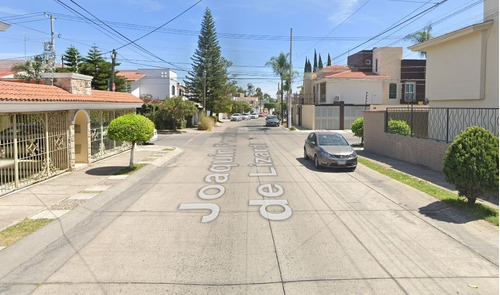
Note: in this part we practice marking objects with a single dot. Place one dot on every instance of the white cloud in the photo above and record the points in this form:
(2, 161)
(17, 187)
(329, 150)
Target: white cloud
(342, 10)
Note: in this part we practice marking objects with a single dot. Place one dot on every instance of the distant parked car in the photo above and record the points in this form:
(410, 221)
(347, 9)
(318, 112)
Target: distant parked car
(261, 115)
(254, 116)
(272, 120)
(236, 117)
(152, 139)
(330, 149)
(245, 116)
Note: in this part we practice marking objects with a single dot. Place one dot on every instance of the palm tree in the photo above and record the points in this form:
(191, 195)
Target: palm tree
(421, 36)
(280, 66)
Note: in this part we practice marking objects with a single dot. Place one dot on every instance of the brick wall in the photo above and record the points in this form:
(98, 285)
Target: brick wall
(426, 152)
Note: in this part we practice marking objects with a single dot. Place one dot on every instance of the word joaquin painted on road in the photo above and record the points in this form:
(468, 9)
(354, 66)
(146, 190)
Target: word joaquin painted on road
(264, 166)
(222, 163)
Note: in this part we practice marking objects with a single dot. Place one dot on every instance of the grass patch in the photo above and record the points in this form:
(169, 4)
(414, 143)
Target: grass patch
(478, 210)
(128, 170)
(169, 149)
(18, 231)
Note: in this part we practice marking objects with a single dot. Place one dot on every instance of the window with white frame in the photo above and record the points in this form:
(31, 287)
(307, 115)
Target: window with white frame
(409, 91)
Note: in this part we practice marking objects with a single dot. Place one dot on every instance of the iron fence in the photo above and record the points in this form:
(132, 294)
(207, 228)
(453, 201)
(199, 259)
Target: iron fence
(100, 145)
(33, 147)
(443, 124)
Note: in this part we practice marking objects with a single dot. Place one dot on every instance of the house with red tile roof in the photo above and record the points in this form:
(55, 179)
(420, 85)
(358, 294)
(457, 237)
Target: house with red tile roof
(333, 97)
(50, 128)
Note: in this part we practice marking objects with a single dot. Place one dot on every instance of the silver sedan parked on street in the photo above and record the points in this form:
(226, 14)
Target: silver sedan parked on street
(330, 149)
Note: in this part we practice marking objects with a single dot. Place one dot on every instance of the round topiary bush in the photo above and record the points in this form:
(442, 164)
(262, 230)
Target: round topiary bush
(132, 128)
(399, 127)
(357, 127)
(471, 163)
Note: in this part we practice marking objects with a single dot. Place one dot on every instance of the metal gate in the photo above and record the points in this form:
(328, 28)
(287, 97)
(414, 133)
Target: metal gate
(33, 147)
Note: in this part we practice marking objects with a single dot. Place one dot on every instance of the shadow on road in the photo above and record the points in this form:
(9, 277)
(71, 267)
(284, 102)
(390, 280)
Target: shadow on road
(310, 165)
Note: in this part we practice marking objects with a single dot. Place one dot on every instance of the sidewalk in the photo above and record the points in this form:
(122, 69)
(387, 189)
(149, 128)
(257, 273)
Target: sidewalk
(56, 196)
(434, 177)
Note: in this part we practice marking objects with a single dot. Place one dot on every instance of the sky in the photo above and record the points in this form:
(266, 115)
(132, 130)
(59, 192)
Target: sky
(250, 32)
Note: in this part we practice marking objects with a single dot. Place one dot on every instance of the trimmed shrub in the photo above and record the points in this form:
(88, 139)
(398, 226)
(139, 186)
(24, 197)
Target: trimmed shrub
(399, 127)
(206, 123)
(471, 163)
(132, 128)
(292, 128)
(357, 127)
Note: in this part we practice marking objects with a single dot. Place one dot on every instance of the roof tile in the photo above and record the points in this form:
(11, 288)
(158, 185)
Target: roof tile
(16, 91)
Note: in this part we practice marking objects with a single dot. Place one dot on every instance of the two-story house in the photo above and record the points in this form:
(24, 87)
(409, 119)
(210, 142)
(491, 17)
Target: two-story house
(156, 84)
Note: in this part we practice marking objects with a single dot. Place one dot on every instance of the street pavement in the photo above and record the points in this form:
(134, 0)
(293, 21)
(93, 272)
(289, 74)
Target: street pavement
(347, 233)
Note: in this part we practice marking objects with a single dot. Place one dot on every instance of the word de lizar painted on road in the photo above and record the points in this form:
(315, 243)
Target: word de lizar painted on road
(222, 163)
(264, 165)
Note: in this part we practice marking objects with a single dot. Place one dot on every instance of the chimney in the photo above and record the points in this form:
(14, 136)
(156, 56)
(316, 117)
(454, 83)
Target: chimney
(73, 83)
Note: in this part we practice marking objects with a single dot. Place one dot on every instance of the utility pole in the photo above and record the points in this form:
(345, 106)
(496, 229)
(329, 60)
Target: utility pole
(204, 91)
(113, 63)
(49, 47)
(289, 102)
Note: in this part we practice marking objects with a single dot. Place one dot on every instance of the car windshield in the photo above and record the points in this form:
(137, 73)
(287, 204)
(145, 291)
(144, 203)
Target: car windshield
(331, 139)
(236, 114)
(271, 117)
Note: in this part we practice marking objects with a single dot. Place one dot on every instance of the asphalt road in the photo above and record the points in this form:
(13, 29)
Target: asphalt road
(241, 212)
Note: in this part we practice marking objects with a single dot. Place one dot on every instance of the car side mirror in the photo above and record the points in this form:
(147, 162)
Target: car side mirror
(313, 142)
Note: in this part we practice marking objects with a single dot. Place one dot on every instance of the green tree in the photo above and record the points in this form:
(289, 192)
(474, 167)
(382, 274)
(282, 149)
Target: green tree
(176, 109)
(31, 70)
(132, 128)
(250, 90)
(329, 61)
(420, 37)
(72, 60)
(471, 163)
(101, 70)
(357, 128)
(240, 107)
(281, 67)
(208, 78)
(315, 65)
(320, 62)
(96, 66)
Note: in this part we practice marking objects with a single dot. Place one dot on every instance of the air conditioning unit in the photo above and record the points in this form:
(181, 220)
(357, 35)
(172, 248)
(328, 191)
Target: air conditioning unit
(336, 98)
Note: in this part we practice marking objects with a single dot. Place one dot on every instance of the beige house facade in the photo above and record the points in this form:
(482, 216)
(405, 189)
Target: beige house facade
(462, 66)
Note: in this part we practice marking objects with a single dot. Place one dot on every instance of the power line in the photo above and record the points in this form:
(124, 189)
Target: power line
(151, 32)
(397, 24)
(322, 39)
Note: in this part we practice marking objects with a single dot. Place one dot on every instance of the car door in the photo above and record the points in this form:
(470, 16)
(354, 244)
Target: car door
(310, 144)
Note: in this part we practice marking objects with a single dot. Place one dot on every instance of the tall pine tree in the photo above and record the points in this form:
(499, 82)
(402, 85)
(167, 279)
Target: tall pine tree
(329, 61)
(72, 60)
(208, 78)
(315, 65)
(320, 62)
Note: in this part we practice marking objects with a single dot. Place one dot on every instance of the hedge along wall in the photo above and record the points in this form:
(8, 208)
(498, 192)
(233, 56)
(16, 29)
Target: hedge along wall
(426, 152)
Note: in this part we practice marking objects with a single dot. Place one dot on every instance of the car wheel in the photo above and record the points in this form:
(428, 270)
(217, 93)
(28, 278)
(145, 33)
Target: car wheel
(316, 162)
(305, 154)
